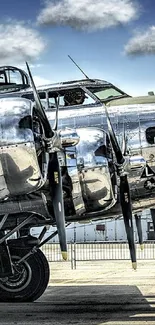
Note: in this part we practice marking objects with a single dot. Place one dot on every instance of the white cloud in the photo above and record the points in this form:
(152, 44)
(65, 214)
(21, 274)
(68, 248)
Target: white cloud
(37, 65)
(39, 81)
(32, 66)
(88, 14)
(142, 43)
(18, 43)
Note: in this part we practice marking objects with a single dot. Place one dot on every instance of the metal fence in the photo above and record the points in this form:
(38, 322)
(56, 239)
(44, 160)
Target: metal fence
(95, 251)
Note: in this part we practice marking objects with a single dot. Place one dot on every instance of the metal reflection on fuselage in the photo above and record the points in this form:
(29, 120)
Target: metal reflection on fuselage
(19, 169)
(95, 178)
(140, 154)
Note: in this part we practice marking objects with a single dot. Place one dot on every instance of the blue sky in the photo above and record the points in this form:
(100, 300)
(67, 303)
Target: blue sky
(112, 40)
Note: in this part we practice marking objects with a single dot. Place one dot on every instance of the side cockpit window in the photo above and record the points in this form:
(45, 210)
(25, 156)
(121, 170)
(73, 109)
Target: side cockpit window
(70, 97)
(150, 135)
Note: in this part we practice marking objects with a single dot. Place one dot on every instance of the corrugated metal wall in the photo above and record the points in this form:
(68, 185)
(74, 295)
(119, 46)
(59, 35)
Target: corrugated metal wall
(114, 230)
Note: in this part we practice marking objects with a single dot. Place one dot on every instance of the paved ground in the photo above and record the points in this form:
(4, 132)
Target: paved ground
(95, 293)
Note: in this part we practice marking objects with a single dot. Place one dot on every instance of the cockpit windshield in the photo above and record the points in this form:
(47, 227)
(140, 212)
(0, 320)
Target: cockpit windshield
(107, 93)
(12, 79)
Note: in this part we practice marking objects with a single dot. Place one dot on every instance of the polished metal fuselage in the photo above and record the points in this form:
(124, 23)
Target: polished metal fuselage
(130, 122)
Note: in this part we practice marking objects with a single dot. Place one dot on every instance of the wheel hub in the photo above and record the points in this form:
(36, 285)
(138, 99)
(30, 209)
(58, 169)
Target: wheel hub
(21, 277)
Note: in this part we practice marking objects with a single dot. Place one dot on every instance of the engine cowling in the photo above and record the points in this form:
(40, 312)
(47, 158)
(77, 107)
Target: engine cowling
(92, 171)
(20, 171)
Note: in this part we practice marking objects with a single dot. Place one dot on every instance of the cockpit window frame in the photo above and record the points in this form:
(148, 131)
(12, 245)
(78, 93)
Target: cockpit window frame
(73, 107)
(104, 101)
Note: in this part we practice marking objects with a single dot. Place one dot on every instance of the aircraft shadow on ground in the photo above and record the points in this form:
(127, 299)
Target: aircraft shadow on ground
(100, 303)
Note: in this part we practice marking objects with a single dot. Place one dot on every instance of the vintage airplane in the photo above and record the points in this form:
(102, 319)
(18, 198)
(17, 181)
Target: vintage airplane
(72, 151)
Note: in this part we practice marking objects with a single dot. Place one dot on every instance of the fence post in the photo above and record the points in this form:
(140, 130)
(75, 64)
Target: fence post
(72, 255)
(75, 256)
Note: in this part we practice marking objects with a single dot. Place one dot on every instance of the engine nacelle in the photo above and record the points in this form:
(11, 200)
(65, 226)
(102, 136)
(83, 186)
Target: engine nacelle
(90, 166)
(20, 172)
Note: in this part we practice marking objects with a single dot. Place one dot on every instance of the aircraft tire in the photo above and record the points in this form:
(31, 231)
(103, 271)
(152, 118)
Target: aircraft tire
(30, 279)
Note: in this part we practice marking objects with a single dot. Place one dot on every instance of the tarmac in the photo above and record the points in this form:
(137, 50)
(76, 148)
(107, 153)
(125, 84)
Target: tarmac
(100, 292)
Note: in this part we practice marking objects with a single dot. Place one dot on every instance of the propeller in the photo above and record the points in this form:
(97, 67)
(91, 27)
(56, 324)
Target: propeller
(57, 192)
(139, 230)
(124, 142)
(55, 126)
(48, 130)
(55, 178)
(125, 198)
(152, 212)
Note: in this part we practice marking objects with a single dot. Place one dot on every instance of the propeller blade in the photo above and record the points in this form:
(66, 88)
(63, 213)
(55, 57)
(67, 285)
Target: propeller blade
(58, 205)
(139, 230)
(125, 201)
(42, 114)
(125, 198)
(116, 147)
(55, 178)
(124, 142)
(152, 211)
(55, 126)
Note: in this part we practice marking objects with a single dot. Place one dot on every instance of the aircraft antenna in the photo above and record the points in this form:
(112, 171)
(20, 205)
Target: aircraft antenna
(78, 67)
